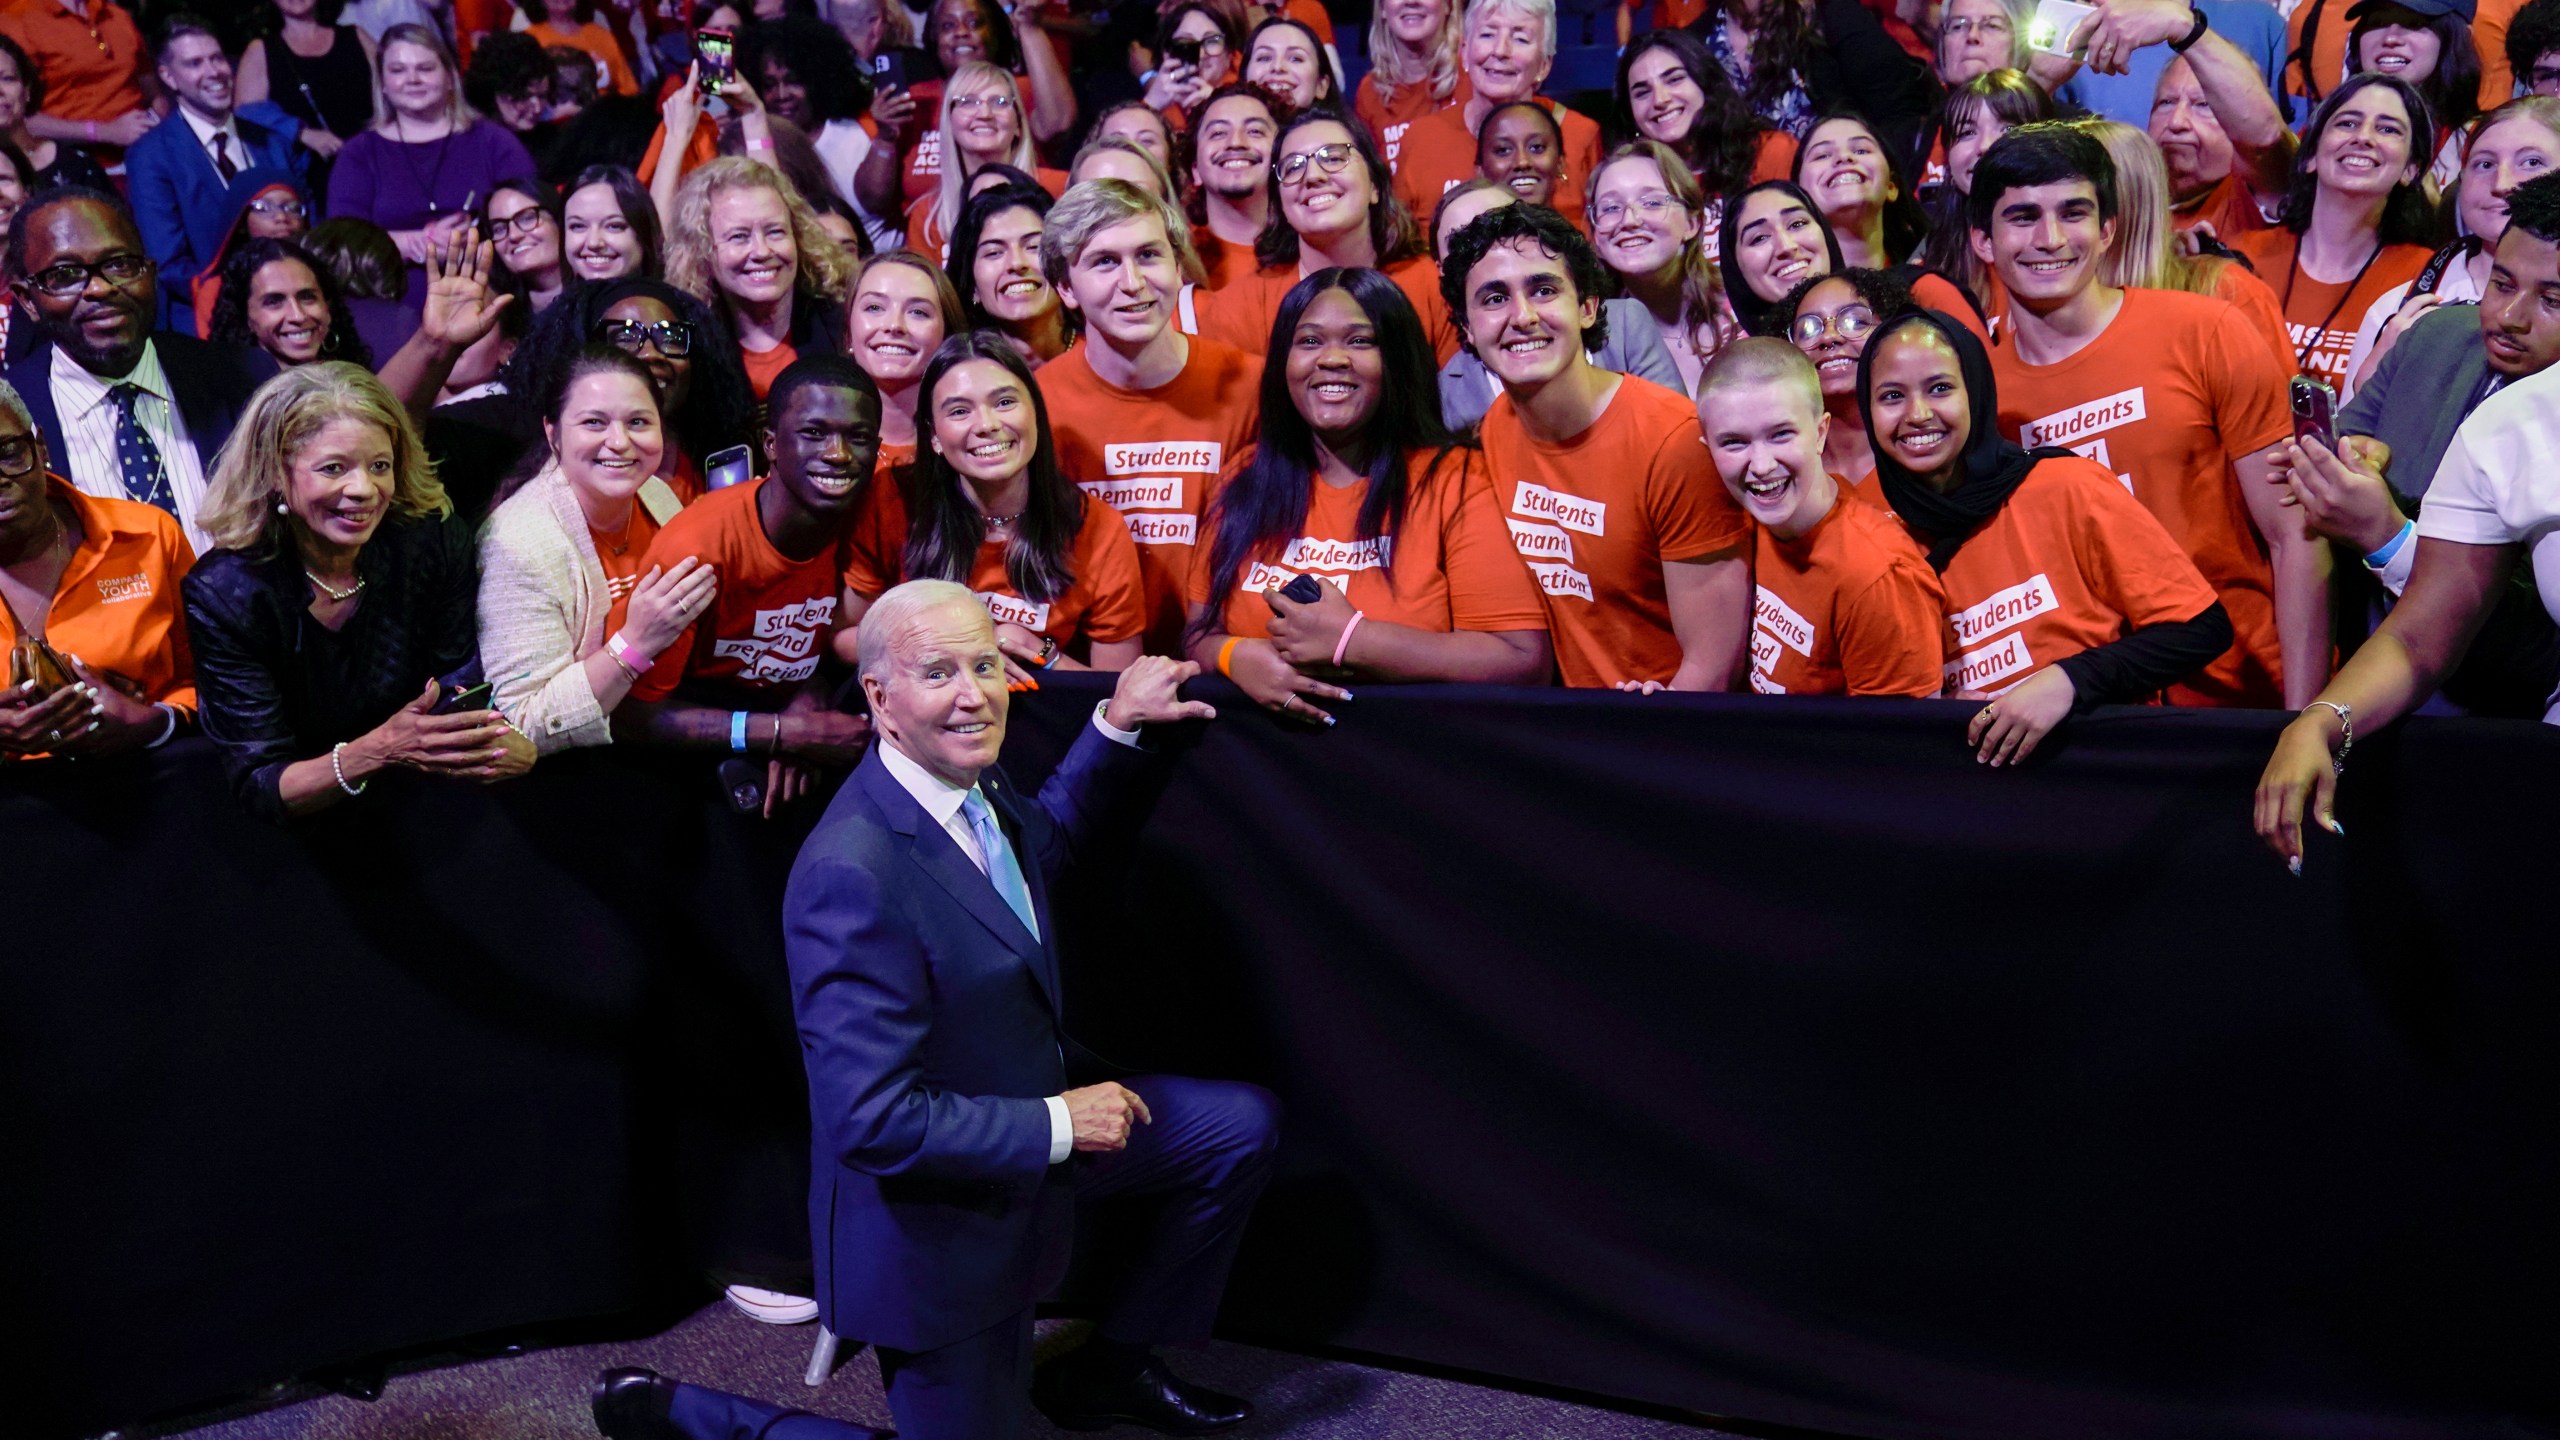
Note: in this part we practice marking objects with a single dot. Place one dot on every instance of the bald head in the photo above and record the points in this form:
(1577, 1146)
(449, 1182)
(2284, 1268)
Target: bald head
(935, 679)
(1757, 362)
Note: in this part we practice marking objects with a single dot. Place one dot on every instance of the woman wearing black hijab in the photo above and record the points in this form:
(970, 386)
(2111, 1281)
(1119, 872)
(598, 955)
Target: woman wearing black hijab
(1774, 238)
(2062, 591)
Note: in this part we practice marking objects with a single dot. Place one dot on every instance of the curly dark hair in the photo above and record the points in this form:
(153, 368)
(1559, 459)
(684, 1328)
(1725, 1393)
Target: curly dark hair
(1723, 141)
(2534, 208)
(817, 54)
(509, 63)
(32, 76)
(230, 322)
(1004, 50)
(1779, 51)
(719, 406)
(2534, 33)
(1554, 234)
(1886, 293)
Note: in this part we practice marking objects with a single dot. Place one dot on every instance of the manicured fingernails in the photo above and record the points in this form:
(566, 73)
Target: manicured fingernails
(1328, 720)
(2294, 864)
(2337, 829)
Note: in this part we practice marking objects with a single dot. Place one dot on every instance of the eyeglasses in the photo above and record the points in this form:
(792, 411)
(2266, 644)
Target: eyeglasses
(72, 277)
(674, 338)
(1849, 324)
(290, 209)
(992, 104)
(1987, 26)
(524, 222)
(17, 455)
(1333, 159)
(1652, 207)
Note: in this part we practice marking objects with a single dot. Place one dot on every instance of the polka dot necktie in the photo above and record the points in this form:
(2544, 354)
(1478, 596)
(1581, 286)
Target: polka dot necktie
(145, 478)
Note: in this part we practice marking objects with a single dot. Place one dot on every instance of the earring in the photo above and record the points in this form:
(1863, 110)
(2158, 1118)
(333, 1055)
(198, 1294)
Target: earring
(280, 508)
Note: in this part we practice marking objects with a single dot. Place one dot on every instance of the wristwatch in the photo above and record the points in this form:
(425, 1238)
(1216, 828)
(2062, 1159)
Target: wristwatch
(2181, 47)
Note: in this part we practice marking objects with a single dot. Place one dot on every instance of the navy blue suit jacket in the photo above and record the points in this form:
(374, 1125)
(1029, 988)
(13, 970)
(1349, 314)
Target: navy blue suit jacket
(211, 383)
(931, 1026)
(183, 205)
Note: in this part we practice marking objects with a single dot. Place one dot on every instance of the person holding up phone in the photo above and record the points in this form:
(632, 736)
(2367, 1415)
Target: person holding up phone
(1359, 540)
(339, 589)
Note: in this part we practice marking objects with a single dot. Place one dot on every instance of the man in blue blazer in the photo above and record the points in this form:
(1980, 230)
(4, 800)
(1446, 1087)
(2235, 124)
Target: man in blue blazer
(179, 174)
(951, 1145)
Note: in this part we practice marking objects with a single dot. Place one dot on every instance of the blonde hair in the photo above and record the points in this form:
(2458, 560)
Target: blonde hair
(976, 77)
(1120, 145)
(1093, 206)
(1702, 306)
(1390, 70)
(255, 467)
(2143, 254)
(457, 110)
(820, 267)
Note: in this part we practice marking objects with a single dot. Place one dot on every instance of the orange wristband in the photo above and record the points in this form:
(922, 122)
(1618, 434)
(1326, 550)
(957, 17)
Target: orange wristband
(1226, 652)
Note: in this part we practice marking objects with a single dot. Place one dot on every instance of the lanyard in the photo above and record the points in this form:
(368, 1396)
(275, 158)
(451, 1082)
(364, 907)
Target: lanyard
(2302, 357)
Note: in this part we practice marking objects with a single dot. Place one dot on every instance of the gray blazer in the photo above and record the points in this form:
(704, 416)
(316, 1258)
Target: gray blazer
(1635, 348)
(2420, 393)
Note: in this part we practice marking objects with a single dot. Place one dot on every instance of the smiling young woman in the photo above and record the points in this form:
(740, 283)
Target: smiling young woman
(277, 297)
(428, 160)
(745, 243)
(903, 309)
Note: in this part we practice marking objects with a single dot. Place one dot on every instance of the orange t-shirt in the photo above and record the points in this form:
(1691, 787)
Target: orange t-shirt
(2489, 34)
(1449, 566)
(2323, 316)
(597, 41)
(766, 366)
(1867, 490)
(2175, 390)
(2070, 563)
(1598, 516)
(922, 173)
(2237, 286)
(762, 636)
(1933, 291)
(1154, 455)
(2231, 208)
(90, 66)
(1850, 607)
(1222, 262)
(1103, 603)
(622, 556)
(925, 231)
(1388, 123)
(1310, 14)
(1439, 153)
(117, 605)
(1242, 315)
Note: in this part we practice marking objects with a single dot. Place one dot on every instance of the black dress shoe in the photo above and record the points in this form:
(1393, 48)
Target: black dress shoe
(1152, 1397)
(631, 1404)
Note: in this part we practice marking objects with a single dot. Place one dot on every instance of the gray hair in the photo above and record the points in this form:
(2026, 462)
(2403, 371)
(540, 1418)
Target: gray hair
(1543, 11)
(895, 611)
(11, 402)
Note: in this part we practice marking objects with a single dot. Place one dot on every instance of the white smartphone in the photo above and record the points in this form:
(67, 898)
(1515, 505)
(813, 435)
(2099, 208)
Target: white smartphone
(2050, 32)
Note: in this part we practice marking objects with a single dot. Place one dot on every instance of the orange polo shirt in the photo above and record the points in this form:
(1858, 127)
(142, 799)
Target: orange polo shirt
(1850, 607)
(1598, 515)
(1449, 566)
(91, 66)
(1241, 315)
(1439, 153)
(2071, 562)
(1103, 603)
(117, 607)
(1154, 455)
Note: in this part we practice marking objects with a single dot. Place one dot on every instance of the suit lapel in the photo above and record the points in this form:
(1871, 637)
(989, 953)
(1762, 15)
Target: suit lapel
(939, 856)
(1000, 798)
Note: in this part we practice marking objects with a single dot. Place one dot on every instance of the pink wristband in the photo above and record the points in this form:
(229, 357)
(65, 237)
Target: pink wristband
(631, 660)
(1343, 643)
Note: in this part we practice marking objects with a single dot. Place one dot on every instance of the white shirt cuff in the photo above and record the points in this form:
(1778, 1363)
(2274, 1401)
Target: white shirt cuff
(1062, 1131)
(2394, 573)
(1125, 737)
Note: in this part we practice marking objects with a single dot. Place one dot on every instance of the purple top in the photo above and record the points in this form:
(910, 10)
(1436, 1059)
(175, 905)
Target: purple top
(402, 187)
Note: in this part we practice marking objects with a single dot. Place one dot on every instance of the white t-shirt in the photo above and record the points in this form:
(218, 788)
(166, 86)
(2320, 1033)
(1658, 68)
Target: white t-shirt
(2499, 485)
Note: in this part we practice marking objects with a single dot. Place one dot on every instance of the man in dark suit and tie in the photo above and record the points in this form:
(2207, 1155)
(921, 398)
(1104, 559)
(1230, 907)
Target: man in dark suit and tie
(180, 172)
(951, 1147)
(125, 414)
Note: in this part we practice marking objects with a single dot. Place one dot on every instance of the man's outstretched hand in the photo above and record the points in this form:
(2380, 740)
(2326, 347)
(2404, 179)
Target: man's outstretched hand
(1150, 693)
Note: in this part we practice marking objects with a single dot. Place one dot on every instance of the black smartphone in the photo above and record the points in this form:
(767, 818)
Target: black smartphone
(742, 782)
(717, 50)
(889, 70)
(733, 466)
(2315, 411)
(1185, 48)
(1306, 590)
(469, 697)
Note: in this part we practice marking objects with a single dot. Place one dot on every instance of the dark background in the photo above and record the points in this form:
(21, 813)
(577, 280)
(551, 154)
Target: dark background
(1770, 1059)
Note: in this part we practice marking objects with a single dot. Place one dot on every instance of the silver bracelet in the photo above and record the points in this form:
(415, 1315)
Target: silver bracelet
(2346, 732)
(169, 731)
(356, 789)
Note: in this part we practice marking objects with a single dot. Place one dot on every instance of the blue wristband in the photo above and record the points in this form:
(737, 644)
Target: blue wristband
(738, 732)
(2391, 547)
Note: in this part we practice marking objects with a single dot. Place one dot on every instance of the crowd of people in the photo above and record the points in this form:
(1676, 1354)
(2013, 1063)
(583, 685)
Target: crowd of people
(403, 386)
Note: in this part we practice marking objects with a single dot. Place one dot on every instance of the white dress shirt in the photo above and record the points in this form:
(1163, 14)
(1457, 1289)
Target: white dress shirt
(89, 434)
(941, 801)
(230, 133)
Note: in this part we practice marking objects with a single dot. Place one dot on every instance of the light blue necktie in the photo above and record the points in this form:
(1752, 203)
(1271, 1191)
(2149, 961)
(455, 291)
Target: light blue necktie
(1003, 871)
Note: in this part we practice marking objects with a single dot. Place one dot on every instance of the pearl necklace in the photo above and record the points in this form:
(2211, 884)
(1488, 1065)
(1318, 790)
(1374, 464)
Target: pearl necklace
(336, 595)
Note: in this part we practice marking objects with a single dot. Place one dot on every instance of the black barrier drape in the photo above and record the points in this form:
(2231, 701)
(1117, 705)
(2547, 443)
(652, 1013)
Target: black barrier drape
(1770, 1059)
